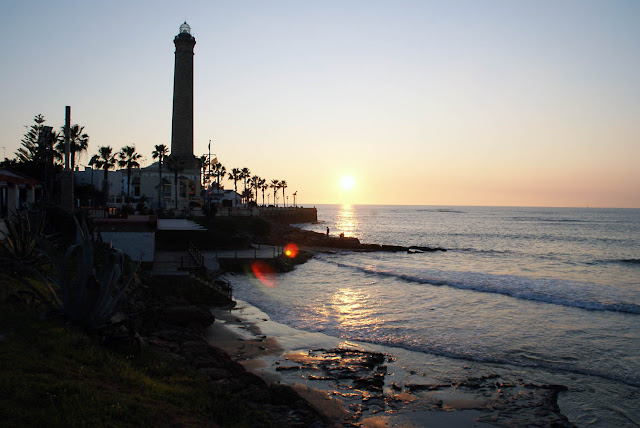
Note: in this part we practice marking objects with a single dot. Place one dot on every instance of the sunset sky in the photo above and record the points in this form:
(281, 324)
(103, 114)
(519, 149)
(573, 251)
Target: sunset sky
(527, 103)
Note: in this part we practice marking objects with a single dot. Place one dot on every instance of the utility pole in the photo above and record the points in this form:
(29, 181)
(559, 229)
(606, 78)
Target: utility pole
(66, 182)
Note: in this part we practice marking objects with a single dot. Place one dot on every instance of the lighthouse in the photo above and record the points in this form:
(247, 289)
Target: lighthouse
(182, 118)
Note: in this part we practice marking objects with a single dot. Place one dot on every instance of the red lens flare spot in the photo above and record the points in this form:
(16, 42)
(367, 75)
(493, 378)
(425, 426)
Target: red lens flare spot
(264, 273)
(291, 250)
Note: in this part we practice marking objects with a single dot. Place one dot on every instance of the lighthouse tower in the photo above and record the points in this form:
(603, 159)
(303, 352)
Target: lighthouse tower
(182, 119)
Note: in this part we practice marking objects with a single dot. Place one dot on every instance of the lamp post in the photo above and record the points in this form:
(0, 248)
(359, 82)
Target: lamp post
(294, 198)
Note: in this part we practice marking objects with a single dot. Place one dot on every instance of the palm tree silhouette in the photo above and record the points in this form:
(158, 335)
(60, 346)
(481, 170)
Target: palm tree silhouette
(176, 165)
(254, 183)
(78, 143)
(129, 159)
(105, 160)
(204, 164)
(244, 174)
(275, 185)
(262, 184)
(283, 185)
(247, 194)
(235, 175)
(160, 152)
(219, 171)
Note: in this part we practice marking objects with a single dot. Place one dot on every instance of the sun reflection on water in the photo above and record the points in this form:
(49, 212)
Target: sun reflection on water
(347, 221)
(350, 307)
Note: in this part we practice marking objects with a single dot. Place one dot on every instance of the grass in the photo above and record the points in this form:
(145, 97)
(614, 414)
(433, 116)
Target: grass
(54, 375)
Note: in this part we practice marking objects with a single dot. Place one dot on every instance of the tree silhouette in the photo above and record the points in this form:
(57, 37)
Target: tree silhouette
(78, 143)
(245, 173)
(235, 175)
(176, 165)
(283, 185)
(31, 150)
(247, 194)
(105, 161)
(254, 182)
(160, 152)
(219, 171)
(263, 186)
(275, 185)
(129, 159)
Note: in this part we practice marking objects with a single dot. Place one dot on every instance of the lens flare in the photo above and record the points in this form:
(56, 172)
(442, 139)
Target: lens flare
(291, 250)
(264, 273)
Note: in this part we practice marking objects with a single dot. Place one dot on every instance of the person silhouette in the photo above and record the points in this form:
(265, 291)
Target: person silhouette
(327, 231)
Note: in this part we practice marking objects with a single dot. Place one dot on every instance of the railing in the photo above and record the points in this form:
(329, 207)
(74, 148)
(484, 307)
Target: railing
(225, 287)
(195, 265)
(195, 253)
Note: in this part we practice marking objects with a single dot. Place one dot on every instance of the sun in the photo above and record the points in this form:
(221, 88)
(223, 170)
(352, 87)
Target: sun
(347, 182)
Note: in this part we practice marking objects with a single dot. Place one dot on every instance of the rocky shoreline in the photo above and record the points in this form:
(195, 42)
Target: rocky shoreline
(361, 384)
(284, 234)
(173, 321)
(176, 321)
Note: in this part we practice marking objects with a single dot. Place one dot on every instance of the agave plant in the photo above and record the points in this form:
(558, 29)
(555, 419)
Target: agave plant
(19, 254)
(86, 297)
(18, 246)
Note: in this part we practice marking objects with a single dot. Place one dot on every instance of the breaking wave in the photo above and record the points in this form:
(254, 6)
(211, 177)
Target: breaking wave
(537, 290)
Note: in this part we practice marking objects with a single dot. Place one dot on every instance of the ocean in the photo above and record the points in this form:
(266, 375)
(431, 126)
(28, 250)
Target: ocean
(551, 294)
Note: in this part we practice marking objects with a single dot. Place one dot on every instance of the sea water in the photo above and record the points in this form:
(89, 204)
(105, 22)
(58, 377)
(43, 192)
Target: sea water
(550, 292)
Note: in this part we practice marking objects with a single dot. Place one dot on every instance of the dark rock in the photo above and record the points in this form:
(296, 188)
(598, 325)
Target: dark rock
(153, 341)
(284, 394)
(256, 394)
(376, 382)
(215, 373)
(185, 315)
(416, 249)
(426, 387)
(177, 336)
(195, 348)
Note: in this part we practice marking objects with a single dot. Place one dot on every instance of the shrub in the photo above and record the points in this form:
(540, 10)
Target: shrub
(86, 297)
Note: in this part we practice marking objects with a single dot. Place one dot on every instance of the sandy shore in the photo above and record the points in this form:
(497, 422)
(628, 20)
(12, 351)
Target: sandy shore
(352, 383)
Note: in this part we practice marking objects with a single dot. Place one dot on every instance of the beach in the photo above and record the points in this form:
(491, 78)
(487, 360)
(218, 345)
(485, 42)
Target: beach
(355, 383)
(529, 314)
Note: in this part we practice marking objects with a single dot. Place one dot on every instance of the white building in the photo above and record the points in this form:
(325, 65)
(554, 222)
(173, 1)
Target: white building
(16, 192)
(145, 182)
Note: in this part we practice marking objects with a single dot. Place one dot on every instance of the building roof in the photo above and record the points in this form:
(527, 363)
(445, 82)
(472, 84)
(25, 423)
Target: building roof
(8, 176)
(131, 224)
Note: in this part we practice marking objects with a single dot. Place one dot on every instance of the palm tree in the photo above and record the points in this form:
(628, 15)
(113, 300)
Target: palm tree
(245, 173)
(93, 164)
(176, 165)
(247, 194)
(204, 164)
(129, 159)
(78, 143)
(283, 185)
(254, 183)
(219, 171)
(105, 160)
(235, 175)
(161, 151)
(275, 185)
(263, 186)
